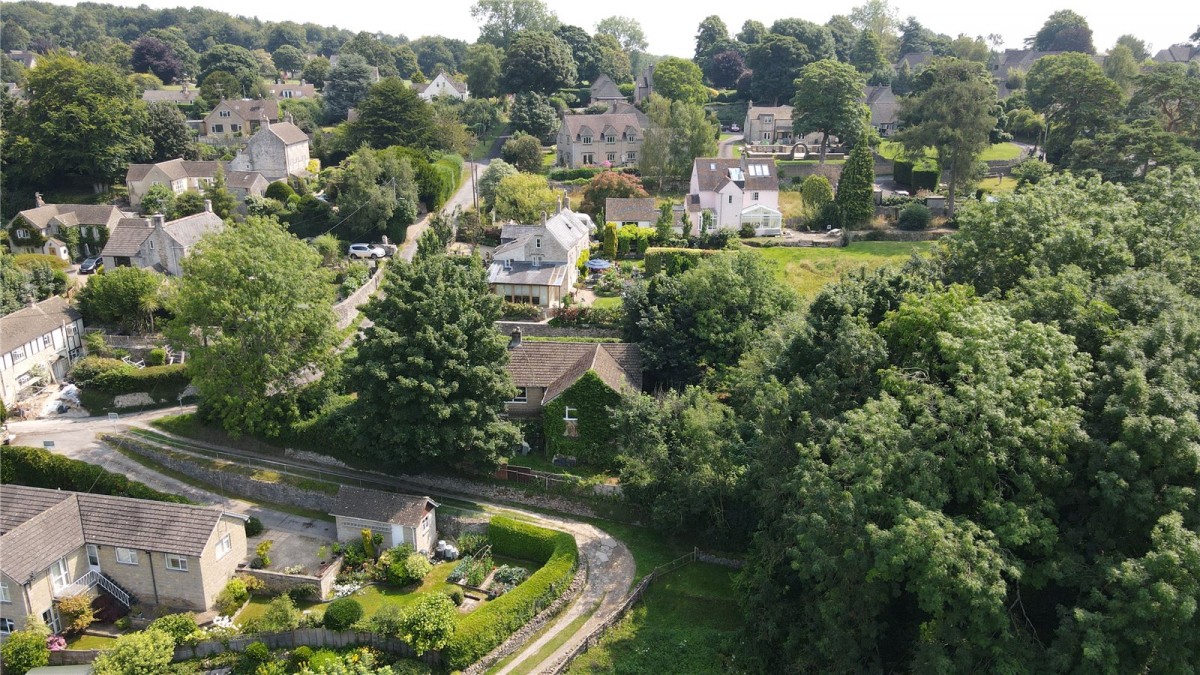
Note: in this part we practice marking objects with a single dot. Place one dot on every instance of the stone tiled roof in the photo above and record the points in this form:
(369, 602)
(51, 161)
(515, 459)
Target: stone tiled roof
(304, 90)
(170, 95)
(575, 124)
(287, 132)
(915, 60)
(383, 507)
(188, 230)
(253, 109)
(243, 179)
(175, 169)
(885, 109)
(31, 323)
(630, 209)
(779, 111)
(127, 238)
(1177, 54)
(714, 173)
(420, 87)
(67, 520)
(84, 214)
(604, 88)
(555, 366)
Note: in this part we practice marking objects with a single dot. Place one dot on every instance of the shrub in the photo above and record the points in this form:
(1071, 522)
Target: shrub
(480, 632)
(674, 261)
(304, 592)
(915, 217)
(87, 369)
(915, 178)
(26, 649)
(388, 620)
(816, 192)
(456, 595)
(279, 190)
(429, 623)
(37, 467)
(262, 554)
(254, 585)
(149, 651)
(324, 660)
(281, 615)
(300, 658)
(471, 542)
(342, 613)
(254, 527)
(417, 566)
(255, 655)
(747, 231)
(151, 379)
(156, 357)
(178, 626)
(232, 597)
(585, 173)
(520, 310)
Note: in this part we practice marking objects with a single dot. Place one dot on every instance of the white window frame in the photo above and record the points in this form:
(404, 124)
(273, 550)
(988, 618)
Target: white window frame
(587, 140)
(612, 156)
(18, 355)
(22, 233)
(5, 596)
(47, 340)
(522, 395)
(130, 556)
(218, 128)
(631, 156)
(93, 554)
(60, 574)
(610, 139)
(588, 158)
(224, 113)
(755, 196)
(224, 546)
(235, 127)
(52, 619)
(567, 414)
(176, 562)
(7, 626)
(537, 242)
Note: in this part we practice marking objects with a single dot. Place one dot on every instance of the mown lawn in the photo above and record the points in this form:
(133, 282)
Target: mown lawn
(603, 302)
(807, 270)
(892, 149)
(686, 623)
(999, 186)
(90, 642)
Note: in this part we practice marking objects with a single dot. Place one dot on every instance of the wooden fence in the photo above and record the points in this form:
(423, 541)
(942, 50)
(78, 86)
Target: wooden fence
(597, 633)
(525, 474)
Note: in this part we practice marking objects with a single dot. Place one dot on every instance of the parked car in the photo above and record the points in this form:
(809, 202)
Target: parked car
(93, 264)
(367, 251)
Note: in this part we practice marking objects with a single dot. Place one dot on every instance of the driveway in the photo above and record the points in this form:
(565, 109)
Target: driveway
(725, 147)
(464, 197)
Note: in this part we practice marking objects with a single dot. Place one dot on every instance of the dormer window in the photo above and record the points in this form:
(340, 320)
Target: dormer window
(611, 138)
(507, 264)
(224, 113)
(587, 140)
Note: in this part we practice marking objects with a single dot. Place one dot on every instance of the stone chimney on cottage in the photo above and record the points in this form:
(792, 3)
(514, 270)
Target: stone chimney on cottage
(544, 217)
(208, 206)
(516, 339)
(37, 199)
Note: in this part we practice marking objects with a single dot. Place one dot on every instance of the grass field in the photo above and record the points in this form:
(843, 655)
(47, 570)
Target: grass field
(891, 149)
(607, 302)
(999, 186)
(807, 270)
(685, 624)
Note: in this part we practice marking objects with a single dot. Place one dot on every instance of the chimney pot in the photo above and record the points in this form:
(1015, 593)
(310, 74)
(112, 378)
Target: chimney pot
(208, 205)
(157, 220)
(516, 339)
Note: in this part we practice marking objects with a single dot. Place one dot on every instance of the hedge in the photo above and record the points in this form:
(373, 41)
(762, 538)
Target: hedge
(149, 379)
(484, 629)
(36, 467)
(917, 179)
(675, 261)
(586, 172)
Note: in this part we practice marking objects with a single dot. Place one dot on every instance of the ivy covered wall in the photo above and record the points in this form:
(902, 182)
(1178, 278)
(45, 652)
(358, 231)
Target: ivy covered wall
(589, 398)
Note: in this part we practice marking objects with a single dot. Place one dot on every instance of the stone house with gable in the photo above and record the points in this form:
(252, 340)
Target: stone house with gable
(539, 264)
(630, 211)
(50, 228)
(441, 85)
(239, 117)
(736, 192)
(609, 139)
(59, 544)
(768, 125)
(604, 90)
(158, 244)
(40, 342)
(182, 175)
(276, 151)
(568, 387)
(397, 518)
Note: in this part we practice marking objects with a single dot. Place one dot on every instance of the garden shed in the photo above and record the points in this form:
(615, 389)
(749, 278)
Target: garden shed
(398, 518)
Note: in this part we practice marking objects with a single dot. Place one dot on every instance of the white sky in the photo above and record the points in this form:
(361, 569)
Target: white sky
(671, 26)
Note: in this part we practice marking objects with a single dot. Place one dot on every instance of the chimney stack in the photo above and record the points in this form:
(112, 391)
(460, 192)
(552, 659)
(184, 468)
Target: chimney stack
(37, 199)
(516, 339)
(544, 216)
(208, 205)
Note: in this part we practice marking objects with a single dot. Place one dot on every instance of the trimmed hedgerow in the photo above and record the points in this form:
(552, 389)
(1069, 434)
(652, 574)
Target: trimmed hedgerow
(37, 467)
(130, 380)
(675, 261)
(481, 631)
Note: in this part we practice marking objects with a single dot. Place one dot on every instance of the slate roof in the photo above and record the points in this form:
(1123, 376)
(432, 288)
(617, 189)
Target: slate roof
(526, 273)
(170, 95)
(287, 132)
(555, 366)
(252, 109)
(71, 519)
(189, 229)
(714, 173)
(598, 123)
(1177, 54)
(85, 214)
(384, 507)
(30, 323)
(885, 109)
(243, 179)
(604, 88)
(619, 210)
(127, 238)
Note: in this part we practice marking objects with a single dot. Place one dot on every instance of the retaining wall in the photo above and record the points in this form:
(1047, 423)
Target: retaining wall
(279, 583)
(347, 309)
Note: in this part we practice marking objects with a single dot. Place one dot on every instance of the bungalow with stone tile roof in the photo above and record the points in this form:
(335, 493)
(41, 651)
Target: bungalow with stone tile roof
(158, 244)
(59, 544)
(569, 386)
(287, 90)
(398, 518)
(630, 211)
(441, 85)
(44, 229)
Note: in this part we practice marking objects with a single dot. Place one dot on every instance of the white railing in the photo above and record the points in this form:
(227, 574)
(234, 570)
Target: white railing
(87, 581)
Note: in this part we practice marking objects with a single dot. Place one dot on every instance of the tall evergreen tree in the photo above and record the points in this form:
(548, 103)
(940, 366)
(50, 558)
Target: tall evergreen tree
(855, 200)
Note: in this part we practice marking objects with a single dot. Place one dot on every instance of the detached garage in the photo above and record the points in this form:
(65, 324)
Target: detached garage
(400, 519)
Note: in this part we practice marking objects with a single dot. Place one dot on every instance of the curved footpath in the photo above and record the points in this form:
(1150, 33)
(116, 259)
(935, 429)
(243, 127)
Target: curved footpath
(610, 565)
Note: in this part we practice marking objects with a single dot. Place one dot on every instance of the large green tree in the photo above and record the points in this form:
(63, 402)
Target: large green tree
(950, 110)
(349, 82)
(1064, 31)
(626, 30)
(168, 132)
(430, 370)
(392, 114)
(482, 68)
(680, 80)
(253, 312)
(538, 62)
(829, 100)
(776, 63)
(1076, 97)
(523, 197)
(502, 19)
(855, 198)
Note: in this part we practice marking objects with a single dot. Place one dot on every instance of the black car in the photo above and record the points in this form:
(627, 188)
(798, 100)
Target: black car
(90, 265)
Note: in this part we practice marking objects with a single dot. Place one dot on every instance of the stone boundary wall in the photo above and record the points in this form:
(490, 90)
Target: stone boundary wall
(73, 657)
(518, 639)
(531, 329)
(896, 235)
(347, 309)
(279, 582)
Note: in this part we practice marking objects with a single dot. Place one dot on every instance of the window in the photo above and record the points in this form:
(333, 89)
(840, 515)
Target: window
(93, 554)
(570, 422)
(224, 546)
(7, 626)
(522, 396)
(4, 595)
(755, 196)
(22, 233)
(610, 139)
(126, 556)
(224, 113)
(631, 156)
(287, 93)
(537, 242)
(588, 158)
(730, 199)
(59, 574)
(587, 140)
(235, 128)
(218, 128)
(52, 620)
(425, 523)
(612, 156)
(176, 562)
(46, 341)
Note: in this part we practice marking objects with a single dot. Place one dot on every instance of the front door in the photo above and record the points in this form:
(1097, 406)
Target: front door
(52, 620)
(93, 555)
